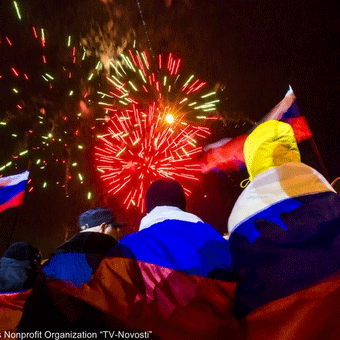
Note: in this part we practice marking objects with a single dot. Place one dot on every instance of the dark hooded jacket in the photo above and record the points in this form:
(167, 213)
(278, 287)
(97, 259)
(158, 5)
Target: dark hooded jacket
(18, 267)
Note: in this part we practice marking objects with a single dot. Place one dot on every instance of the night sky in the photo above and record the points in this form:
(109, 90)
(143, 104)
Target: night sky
(255, 49)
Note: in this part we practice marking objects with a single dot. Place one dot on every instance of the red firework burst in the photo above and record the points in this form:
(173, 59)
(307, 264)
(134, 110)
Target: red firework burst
(142, 146)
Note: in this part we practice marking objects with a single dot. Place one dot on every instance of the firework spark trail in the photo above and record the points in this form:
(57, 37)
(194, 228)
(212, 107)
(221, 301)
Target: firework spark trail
(47, 127)
(128, 165)
(55, 136)
(46, 95)
(141, 84)
(157, 137)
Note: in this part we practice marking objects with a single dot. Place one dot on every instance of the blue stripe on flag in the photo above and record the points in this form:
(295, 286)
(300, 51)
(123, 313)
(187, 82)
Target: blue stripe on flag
(70, 267)
(293, 112)
(193, 248)
(285, 249)
(271, 215)
(8, 192)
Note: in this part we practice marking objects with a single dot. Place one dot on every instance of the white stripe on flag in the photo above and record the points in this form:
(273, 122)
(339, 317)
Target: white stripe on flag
(13, 180)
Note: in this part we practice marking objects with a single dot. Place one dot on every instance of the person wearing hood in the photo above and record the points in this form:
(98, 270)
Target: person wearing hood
(72, 263)
(171, 279)
(19, 267)
(284, 233)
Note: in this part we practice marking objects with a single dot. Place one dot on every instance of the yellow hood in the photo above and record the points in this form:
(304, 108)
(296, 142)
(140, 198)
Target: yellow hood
(270, 145)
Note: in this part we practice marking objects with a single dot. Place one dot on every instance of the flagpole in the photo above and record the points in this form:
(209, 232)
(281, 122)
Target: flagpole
(13, 227)
(319, 159)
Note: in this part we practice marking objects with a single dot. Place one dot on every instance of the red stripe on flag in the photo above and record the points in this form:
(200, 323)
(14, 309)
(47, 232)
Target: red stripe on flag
(13, 202)
(143, 296)
(300, 127)
(313, 313)
(11, 308)
(228, 157)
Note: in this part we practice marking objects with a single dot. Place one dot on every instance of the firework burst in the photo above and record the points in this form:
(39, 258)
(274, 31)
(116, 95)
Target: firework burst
(138, 79)
(46, 118)
(141, 146)
(49, 118)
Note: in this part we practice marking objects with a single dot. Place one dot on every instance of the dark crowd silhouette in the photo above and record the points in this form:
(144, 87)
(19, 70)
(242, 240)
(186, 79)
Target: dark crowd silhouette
(275, 276)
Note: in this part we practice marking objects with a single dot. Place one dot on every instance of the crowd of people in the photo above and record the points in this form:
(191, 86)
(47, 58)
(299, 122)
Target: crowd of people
(276, 275)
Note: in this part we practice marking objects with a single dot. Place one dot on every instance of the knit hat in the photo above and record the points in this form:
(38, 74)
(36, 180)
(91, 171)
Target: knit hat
(95, 217)
(165, 192)
(21, 251)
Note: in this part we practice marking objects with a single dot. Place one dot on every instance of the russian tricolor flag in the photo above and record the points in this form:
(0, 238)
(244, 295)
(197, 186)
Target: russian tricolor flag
(173, 278)
(227, 154)
(11, 308)
(289, 112)
(12, 189)
(285, 245)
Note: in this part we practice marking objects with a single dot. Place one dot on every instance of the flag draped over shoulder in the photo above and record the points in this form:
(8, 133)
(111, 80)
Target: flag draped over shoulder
(12, 189)
(309, 314)
(11, 307)
(227, 154)
(76, 259)
(172, 278)
(285, 244)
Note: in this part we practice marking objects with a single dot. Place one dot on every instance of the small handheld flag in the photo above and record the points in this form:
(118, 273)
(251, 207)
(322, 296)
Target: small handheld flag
(227, 154)
(12, 189)
(289, 112)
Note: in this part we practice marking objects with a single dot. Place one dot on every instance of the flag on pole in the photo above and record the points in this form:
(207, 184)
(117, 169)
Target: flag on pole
(12, 189)
(227, 154)
(289, 112)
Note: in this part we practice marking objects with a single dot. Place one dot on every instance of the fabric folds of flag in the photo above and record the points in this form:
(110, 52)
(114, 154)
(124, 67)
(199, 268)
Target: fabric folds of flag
(76, 259)
(312, 313)
(12, 189)
(285, 244)
(11, 308)
(172, 278)
(227, 154)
